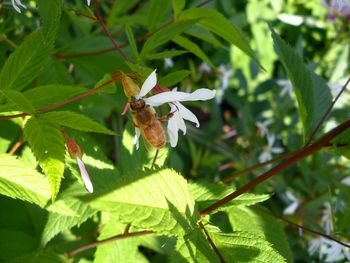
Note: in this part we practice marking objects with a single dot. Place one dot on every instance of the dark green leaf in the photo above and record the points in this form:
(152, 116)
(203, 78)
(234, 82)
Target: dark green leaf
(174, 78)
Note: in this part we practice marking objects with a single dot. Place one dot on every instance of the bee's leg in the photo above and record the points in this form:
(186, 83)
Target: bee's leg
(167, 117)
(126, 108)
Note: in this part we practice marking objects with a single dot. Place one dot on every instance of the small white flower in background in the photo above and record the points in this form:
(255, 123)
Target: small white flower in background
(337, 8)
(327, 220)
(179, 112)
(88, 2)
(329, 250)
(294, 204)
(346, 181)
(16, 3)
(287, 87)
(84, 175)
(168, 63)
(225, 75)
(204, 68)
(266, 155)
(262, 126)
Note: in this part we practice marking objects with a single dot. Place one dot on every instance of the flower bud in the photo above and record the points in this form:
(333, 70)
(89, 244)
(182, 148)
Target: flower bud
(131, 89)
(73, 148)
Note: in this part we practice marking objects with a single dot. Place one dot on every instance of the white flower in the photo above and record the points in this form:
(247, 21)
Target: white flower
(294, 204)
(168, 63)
(262, 125)
(225, 74)
(179, 112)
(287, 87)
(269, 149)
(204, 68)
(327, 220)
(328, 249)
(88, 2)
(346, 181)
(16, 3)
(84, 175)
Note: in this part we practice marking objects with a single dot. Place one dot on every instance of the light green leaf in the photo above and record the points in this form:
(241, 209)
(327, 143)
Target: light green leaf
(131, 40)
(76, 121)
(221, 26)
(57, 223)
(174, 78)
(313, 94)
(152, 200)
(25, 63)
(20, 181)
(47, 143)
(193, 48)
(156, 12)
(193, 247)
(258, 224)
(19, 100)
(166, 34)
(178, 5)
(244, 247)
(207, 194)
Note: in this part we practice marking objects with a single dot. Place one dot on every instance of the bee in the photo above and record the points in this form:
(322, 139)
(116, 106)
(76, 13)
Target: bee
(143, 115)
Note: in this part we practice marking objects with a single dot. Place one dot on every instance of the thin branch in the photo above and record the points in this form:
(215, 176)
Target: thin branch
(294, 158)
(8, 41)
(255, 167)
(299, 226)
(211, 243)
(204, 3)
(324, 117)
(59, 104)
(76, 251)
(99, 17)
(15, 147)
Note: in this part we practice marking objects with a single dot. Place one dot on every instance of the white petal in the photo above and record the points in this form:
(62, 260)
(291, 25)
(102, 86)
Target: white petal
(346, 181)
(15, 6)
(171, 96)
(177, 117)
(88, 2)
(187, 114)
(277, 150)
(85, 176)
(173, 131)
(289, 210)
(136, 137)
(149, 84)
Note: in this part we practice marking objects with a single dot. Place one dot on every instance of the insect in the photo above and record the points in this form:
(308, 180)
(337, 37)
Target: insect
(143, 115)
(146, 120)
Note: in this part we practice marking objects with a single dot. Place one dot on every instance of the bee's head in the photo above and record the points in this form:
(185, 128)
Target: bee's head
(136, 104)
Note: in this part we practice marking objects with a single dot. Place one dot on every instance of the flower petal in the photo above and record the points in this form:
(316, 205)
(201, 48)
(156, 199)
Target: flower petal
(149, 84)
(171, 96)
(88, 2)
(136, 137)
(177, 117)
(187, 114)
(173, 131)
(85, 176)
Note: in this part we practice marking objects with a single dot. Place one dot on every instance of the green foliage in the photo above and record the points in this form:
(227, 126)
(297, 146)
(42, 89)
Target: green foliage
(20, 181)
(19, 100)
(76, 121)
(47, 143)
(312, 92)
(154, 200)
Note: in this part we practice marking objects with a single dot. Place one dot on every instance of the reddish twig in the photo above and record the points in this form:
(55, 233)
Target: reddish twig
(211, 242)
(280, 218)
(76, 251)
(54, 106)
(295, 157)
(104, 27)
(15, 147)
(324, 117)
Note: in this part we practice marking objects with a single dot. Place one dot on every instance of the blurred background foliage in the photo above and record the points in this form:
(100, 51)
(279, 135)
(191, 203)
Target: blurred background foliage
(253, 118)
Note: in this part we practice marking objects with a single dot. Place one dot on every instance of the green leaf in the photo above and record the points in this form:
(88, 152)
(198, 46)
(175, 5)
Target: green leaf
(42, 257)
(261, 225)
(178, 5)
(152, 200)
(166, 54)
(50, 14)
(110, 88)
(76, 121)
(57, 223)
(25, 63)
(313, 94)
(131, 40)
(47, 143)
(244, 247)
(20, 181)
(221, 26)
(19, 100)
(207, 194)
(156, 13)
(193, 48)
(166, 34)
(193, 247)
(174, 78)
